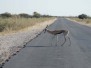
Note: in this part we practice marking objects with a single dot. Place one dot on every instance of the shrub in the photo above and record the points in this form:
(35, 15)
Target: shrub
(36, 15)
(2, 26)
(83, 16)
(5, 15)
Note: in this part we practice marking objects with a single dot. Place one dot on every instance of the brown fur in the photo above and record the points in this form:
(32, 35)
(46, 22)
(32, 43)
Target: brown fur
(56, 32)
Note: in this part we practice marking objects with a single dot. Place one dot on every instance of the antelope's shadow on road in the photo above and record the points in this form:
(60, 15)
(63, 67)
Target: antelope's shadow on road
(41, 46)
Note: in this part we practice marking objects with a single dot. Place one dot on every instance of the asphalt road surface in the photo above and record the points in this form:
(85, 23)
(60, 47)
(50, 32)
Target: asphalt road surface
(42, 52)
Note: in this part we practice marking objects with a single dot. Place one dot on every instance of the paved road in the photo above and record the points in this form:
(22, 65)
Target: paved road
(42, 52)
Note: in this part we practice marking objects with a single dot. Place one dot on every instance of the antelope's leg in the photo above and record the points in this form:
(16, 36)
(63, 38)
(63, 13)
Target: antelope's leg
(69, 40)
(56, 40)
(64, 40)
(52, 39)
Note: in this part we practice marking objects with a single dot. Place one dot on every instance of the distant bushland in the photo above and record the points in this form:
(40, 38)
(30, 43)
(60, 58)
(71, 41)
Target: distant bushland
(14, 22)
(24, 15)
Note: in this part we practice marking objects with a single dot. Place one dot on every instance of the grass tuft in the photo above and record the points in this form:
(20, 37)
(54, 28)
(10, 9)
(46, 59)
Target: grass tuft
(86, 21)
(18, 23)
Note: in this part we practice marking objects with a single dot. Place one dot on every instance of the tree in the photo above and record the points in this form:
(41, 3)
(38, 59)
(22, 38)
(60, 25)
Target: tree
(83, 16)
(36, 14)
(5, 15)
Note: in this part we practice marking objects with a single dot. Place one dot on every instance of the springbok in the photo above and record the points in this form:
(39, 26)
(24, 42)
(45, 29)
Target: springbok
(56, 32)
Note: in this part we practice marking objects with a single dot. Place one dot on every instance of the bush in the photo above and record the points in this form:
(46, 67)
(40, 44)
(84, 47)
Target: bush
(83, 16)
(2, 26)
(36, 15)
(25, 15)
(46, 16)
(5, 15)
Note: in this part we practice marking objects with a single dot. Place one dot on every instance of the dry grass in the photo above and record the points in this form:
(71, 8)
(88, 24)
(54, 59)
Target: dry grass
(85, 21)
(14, 23)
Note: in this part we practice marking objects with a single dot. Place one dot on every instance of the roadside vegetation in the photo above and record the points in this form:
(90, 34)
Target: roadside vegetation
(13, 22)
(14, 33)
(83, 18)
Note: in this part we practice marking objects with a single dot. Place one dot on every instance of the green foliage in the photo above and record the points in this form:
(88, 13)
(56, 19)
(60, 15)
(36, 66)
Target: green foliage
(46, 16)
(5, 15)
(83, 16)
(25, 15)
(36, 15)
